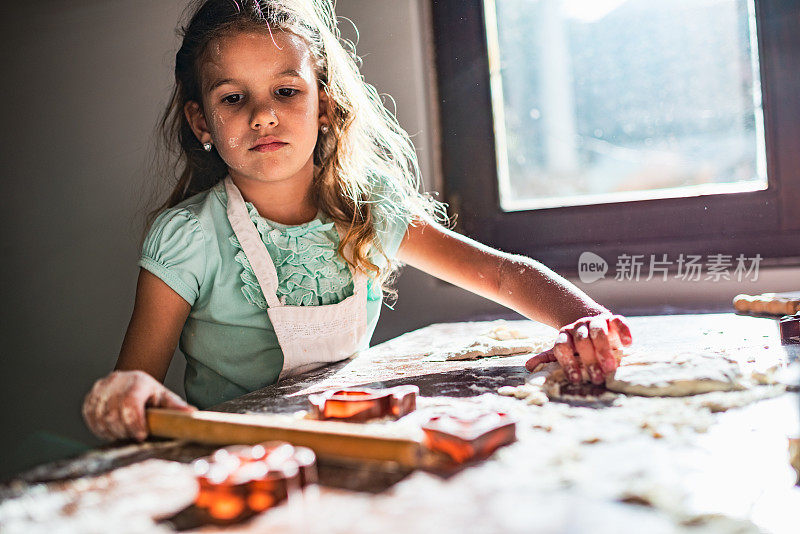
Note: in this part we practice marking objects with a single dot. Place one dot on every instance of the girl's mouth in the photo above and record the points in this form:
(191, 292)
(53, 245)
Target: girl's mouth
(269, 147)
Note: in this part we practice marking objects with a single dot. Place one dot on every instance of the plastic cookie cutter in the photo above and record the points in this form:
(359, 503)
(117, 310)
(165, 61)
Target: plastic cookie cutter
(790, 329)
(471, 437)
(360, 405)
(239, 481)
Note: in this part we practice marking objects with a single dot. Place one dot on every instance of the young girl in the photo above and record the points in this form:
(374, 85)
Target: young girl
(298, 196)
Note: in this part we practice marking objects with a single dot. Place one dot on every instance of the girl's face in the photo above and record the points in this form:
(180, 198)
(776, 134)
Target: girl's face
(262, 108)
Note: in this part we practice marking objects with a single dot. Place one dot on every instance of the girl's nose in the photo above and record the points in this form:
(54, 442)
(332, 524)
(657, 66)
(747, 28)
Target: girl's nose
(264, 116)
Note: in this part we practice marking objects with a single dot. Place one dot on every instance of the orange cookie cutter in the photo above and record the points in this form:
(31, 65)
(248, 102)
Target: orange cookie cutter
(469, 438)
(360, 405)
(239, 481)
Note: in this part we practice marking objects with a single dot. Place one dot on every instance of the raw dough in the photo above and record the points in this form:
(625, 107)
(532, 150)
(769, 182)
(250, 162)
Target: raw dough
(675, 375)
(531, 392)
(485, 347)
(557, 386)
(502, 333)
(499, 341)
(712, 377)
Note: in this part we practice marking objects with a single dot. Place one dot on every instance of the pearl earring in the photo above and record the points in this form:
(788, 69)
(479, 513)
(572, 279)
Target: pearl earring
(324, 129)
(207, 146)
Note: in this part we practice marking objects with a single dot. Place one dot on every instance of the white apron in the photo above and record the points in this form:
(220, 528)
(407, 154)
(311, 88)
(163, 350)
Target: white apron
(309, 336)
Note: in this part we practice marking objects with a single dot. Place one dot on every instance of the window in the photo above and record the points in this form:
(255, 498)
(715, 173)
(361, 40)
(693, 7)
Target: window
(622, 126)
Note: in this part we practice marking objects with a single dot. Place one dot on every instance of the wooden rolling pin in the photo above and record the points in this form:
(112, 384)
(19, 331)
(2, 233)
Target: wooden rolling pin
(328, 439)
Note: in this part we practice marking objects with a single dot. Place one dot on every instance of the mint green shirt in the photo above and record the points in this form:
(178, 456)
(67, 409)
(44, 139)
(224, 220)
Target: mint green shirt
(228, 340)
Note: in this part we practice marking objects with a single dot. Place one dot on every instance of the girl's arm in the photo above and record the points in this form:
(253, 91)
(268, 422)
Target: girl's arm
(115, 407)
(589, 335)
(159, 314)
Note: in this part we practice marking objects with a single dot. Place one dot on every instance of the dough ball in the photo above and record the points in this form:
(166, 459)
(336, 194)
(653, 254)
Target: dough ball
(506, 391)
(537, 398)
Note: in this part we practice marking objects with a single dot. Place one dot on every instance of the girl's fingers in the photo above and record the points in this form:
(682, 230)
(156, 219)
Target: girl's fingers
(95, 421)
(114, 408)
(133, 418)
(618, 324)
(598, 332)
(87, 410)
(170, 399)
(159, 397)
(134, 410)
(564, 351)
(113, 418)
(543, 357)
(148, 392)
(90, 415)
(586, 350)
(593, 342)
(103, 411)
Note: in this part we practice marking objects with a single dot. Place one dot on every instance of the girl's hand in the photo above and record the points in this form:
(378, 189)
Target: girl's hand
(115, 407)
(591, 343)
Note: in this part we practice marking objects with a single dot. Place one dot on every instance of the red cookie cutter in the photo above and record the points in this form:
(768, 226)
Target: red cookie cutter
(469, 438)
(359, 405)
(239, 481)
(790, 329)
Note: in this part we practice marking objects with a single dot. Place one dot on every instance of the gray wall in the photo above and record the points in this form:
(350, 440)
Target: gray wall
(84, 83)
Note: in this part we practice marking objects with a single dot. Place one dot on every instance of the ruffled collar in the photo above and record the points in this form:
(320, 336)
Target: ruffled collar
(310, 271)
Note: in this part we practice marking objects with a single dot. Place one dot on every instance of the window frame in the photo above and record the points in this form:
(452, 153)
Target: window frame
(760, 222)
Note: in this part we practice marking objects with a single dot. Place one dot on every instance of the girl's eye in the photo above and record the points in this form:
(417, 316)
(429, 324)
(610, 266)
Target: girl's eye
(286, 91)
(232, 99)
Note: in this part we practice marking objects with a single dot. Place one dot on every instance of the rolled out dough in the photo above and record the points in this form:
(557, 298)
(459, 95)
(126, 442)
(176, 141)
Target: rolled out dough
(675, 375)
(485, 348)
(499, 341)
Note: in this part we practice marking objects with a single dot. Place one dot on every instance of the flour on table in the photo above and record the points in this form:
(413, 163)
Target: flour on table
(722, 401)
(499, 341)
(130, 499)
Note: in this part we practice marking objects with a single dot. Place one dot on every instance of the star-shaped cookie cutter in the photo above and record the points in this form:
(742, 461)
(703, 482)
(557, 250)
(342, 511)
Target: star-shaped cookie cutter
(239, 481)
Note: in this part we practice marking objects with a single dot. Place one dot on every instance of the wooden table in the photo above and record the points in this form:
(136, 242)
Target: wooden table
(634, 464)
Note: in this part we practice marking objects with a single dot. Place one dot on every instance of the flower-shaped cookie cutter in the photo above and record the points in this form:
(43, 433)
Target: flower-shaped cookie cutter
(239, 481)
(467, 438)
(360, 405)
